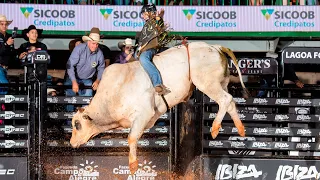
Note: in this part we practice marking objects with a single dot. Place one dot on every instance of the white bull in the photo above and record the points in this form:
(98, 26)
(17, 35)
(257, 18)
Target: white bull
(126, 98)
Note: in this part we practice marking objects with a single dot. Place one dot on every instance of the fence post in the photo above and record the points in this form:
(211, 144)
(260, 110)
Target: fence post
(32, 123)
(36, 64)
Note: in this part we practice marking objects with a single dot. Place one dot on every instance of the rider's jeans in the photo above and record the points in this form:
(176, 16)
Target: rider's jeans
(149, 67)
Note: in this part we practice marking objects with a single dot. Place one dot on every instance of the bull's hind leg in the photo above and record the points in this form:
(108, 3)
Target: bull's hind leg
(216, 93)
(232, 110)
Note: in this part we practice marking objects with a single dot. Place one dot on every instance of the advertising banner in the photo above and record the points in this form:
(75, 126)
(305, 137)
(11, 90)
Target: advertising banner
(180, 18)
(12, 168)
(255, 66)
(106, 167)
(278, 169)
(301, 55)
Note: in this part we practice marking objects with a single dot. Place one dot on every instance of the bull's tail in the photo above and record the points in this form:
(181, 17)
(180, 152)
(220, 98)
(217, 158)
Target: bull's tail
(235, 62)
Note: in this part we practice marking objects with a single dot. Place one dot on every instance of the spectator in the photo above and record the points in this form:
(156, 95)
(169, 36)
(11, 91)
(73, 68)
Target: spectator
(82, 2)
(106, 54)
(73, 43)
(289, 74)
(51, 82)
(85, 60)
(105, 50)
(31, 36)
(126, 53)
(7, 51)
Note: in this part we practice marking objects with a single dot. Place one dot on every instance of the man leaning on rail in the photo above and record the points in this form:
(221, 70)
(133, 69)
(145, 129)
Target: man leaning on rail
(85, 60)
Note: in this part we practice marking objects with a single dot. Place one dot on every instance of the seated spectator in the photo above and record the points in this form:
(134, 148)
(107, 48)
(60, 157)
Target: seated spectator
(51, 81)
(73, 43)
(106, 54)
(126, 53)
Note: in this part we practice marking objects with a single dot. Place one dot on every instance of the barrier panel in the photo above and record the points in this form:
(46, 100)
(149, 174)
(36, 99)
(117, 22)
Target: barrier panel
(106, 156)
(270, 131)
(15, 144)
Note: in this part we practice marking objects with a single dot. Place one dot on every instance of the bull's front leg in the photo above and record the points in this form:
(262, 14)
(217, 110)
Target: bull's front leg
(136, 132)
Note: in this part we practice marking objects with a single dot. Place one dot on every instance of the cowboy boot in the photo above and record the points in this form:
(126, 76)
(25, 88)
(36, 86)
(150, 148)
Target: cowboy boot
(162, 90)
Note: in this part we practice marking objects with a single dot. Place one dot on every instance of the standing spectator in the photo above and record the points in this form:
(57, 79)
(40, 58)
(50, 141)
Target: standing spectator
(85, 60)
(105, 50)
(31, 36)
(7, 51)
(126, 53)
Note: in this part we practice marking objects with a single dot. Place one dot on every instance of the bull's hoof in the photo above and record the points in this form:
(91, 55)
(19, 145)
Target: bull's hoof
(133, 167)
(241, 130)
(215, 130)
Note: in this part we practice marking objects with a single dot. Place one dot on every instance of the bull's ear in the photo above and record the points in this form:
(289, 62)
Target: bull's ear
(87, 117)
(80, 109)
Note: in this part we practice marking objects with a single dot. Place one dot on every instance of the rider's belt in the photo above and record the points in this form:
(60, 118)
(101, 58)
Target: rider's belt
(150, 45)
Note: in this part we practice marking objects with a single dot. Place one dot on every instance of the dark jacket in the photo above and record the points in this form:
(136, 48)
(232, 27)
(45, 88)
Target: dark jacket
(7, 53)
(24, 47)
(148, 37)
(289, 73)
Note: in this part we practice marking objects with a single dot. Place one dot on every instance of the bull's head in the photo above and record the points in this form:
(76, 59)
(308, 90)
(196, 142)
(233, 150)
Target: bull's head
(82, 128)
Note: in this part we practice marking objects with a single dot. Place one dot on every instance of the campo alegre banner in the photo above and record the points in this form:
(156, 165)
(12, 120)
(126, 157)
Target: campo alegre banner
(180, 18)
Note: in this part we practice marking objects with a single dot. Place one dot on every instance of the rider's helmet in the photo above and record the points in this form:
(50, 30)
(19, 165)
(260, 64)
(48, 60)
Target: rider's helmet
(148, 8)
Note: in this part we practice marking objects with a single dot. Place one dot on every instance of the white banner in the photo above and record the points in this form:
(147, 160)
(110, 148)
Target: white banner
(180, 18)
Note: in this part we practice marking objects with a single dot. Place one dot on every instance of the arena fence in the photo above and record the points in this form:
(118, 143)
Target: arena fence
(108, 153)
(272, 131)
(281, 137)
(18, 144)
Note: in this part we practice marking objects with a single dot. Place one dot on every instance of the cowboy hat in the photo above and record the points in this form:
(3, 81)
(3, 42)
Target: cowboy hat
(26, 31)
(93, 36)
(127, 41)
(72, 43)
(4, 18)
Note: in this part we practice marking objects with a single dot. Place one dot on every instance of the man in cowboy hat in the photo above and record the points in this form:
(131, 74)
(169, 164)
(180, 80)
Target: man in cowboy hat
(85, 60)
(31, 35)
(126, 54)
(7, 51)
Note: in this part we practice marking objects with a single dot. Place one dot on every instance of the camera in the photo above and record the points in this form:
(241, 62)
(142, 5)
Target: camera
(131, 50)
(14, 32)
